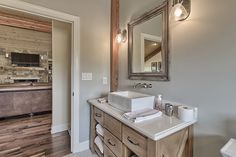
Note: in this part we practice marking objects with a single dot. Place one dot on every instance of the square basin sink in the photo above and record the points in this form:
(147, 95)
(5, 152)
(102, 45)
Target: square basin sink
(129, 101)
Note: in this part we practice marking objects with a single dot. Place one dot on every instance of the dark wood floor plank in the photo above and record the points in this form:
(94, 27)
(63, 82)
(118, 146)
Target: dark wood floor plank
(31, 137)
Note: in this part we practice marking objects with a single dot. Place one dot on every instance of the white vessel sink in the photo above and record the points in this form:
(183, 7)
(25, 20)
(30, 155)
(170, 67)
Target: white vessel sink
(130, 101)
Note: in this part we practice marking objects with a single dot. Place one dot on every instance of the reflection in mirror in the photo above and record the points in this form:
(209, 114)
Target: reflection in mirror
(152, 56)
(148, 45)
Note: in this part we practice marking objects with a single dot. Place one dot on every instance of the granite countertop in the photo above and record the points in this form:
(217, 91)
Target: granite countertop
(24, 87)
(154, 129)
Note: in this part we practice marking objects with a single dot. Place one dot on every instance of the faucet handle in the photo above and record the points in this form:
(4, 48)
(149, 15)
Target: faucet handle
(150, 85)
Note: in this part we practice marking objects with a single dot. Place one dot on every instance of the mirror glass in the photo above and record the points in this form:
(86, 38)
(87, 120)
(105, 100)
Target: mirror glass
(148, 45)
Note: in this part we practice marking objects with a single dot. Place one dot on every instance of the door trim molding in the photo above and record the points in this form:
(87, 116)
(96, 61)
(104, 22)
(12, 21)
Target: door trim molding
(75, 56)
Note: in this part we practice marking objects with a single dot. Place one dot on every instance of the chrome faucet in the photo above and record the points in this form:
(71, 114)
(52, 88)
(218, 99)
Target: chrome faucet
(142, 85)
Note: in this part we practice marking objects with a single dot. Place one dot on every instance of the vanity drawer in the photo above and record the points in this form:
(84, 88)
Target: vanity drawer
(108, 152)
(134, 141)
(98, 115)
(113, 125)
(113, 143)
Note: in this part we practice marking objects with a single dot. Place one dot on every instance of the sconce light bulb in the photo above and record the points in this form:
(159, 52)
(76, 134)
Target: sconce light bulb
(119, 38)
(178, 12)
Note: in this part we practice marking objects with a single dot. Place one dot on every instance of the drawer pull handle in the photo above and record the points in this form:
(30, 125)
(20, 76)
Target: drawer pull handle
(98, 115)
(112, 144)
(134, 143)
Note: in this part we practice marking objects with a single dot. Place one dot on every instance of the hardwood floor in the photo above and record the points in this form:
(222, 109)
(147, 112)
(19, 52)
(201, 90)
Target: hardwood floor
(31, 137)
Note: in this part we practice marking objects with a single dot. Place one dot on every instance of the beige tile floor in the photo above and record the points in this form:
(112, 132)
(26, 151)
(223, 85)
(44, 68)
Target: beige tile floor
(86, 153)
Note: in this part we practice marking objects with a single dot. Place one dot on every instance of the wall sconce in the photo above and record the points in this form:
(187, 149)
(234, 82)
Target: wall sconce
(121, 36)
(181, 9)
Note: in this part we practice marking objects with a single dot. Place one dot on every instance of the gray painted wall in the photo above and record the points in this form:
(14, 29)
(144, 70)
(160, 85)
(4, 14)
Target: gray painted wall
(61, 57)
(95, 48)
(202, 68)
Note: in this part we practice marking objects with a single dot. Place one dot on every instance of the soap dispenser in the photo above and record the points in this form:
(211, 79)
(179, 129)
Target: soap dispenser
(159, 102)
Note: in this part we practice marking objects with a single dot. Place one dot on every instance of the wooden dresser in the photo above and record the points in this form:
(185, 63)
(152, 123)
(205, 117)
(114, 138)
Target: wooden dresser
(123, 138)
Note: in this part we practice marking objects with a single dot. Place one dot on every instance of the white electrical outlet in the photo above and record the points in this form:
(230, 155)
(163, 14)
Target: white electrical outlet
(87, 76)
(104, 80)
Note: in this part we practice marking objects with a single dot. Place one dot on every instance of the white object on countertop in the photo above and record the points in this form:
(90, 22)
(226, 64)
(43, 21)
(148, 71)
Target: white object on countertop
(99, 144)
(229, 150)
(186, 113)
(159, 102)
(100, 130)
(142, 115)
(129, 101)
(102, 100)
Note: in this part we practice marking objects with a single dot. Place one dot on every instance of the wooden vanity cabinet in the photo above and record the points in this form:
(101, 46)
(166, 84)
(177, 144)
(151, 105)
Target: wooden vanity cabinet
(122, 141)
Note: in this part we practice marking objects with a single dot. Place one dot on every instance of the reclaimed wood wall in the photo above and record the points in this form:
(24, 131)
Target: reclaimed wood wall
(26, 23)
(23, 35)
(18, 39)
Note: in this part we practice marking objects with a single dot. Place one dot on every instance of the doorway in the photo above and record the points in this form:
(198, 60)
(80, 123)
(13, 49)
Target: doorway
(75, 52)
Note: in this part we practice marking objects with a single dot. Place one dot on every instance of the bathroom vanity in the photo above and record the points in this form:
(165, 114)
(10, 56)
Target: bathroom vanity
(160, 137)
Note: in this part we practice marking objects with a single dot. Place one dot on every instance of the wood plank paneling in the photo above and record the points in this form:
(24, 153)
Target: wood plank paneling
(114, 44)
(26, 23)
(31, 137)
(12, 38)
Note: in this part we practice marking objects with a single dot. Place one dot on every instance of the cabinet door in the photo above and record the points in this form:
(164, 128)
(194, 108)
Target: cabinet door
(22, 102)
(41, 101)
(6, 104)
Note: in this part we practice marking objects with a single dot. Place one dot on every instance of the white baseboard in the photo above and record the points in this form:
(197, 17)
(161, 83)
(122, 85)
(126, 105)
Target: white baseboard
(82, 147)
(59, 128)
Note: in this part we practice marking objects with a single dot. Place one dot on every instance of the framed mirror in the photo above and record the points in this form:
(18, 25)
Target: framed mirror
(148, 48)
